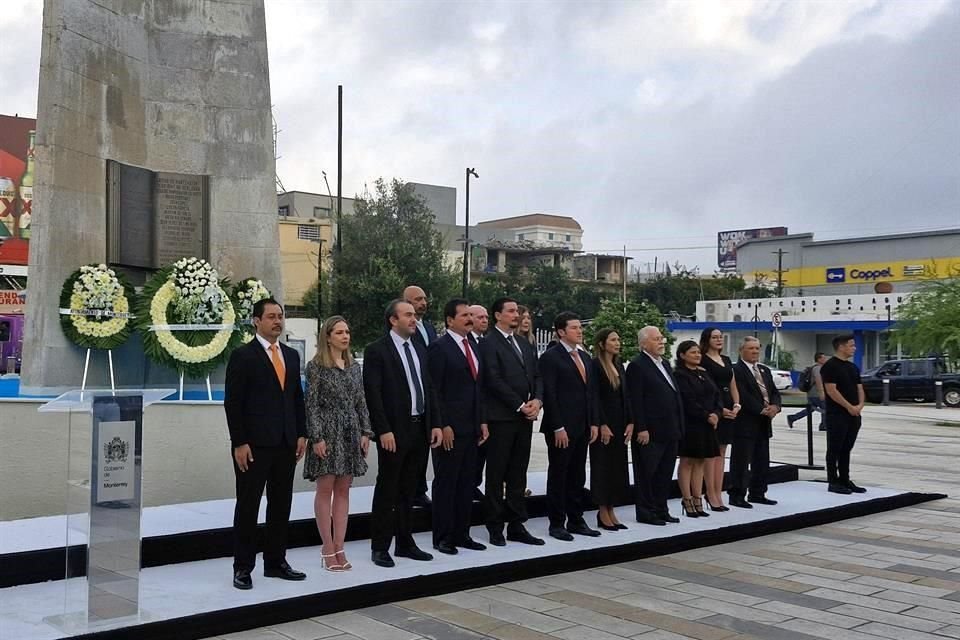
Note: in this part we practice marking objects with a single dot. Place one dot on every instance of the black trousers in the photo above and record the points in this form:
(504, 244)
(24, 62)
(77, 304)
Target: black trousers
(397, 478)
(653, 465)
(272, 468)
(842, 431)
(749, 464)
(566, 475)
(453, 485)
(508, 455)
(422, 477)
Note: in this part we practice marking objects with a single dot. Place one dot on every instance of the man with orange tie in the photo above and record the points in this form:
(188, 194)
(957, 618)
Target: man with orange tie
(570, 424)
(264, 404)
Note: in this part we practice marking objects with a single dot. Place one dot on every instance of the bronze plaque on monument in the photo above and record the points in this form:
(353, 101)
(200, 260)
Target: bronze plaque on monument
(155, 218)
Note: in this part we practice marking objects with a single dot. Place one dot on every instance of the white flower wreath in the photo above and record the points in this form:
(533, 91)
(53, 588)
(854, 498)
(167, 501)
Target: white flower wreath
(193, 287)
(97, 310)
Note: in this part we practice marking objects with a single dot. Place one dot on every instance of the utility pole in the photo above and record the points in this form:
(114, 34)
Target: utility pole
(466, 232)
(339, 308)
(780, 270)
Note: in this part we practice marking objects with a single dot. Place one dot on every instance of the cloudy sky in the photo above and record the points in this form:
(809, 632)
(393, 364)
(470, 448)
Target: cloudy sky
(655, 124)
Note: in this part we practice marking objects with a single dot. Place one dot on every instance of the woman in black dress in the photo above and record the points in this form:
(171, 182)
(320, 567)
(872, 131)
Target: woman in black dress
(609, 482)
(701, 411)
(721, 370)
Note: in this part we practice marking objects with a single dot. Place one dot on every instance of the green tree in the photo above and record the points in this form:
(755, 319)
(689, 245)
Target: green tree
(310, 300)
(929, 321)
(627, 319)
(389, 243)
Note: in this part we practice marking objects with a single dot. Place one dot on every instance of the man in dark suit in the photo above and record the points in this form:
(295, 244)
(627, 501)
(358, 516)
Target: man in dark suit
(750, 450)
(405, 416)
(425, 335)
(513, 392)
(658, 420)
(570, 425)
(456, 375)
(481, 322)
(263, 401)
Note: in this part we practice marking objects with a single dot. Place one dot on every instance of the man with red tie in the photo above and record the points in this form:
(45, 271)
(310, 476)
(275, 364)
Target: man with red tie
(265, 411)
(455, 371)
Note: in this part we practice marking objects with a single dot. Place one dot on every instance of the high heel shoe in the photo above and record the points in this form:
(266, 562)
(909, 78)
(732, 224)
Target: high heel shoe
(698, 505)
(722, 507)
(346, 563)
(606, 527)
(688, 508)
(326, 563)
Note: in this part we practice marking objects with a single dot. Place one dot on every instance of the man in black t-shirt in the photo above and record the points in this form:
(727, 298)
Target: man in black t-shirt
(844, 403)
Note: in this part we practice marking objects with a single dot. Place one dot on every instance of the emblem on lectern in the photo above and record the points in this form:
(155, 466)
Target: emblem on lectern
(116, 450)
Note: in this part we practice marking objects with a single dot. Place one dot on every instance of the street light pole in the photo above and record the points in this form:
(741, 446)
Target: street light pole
(466, 233)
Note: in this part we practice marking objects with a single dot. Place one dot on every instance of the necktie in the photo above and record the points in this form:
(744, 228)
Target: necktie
(278, 363)
(414, 378)
(516, 347)
(579, 363)
(763, 387)
(470, 360)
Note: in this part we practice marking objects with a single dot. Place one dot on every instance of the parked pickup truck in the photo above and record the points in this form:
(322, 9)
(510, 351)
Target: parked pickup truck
(912, 379)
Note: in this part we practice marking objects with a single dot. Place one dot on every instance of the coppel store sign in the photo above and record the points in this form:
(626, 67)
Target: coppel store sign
(840, 274)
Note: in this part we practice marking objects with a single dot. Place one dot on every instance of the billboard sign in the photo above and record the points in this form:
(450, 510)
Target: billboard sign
(728, 241)
(16, 187)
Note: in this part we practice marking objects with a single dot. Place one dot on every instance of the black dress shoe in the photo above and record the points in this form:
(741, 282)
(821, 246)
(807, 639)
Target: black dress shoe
(606, 527)
(471, 544)
(854, 487)
(496, 539)
(561, 534)
(651, 519)
(581, 529)
(740, 502)
(666, 517)
(285, 572)
(761, 500)
(242, 579)
(414, 553)
(836, 487)
(622, 526)
(423, 501)
(382, 559)
(520, 534)
(446, 547)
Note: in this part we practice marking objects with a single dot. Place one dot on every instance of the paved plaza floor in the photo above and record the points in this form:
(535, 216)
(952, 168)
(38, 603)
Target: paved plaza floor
(894, 575)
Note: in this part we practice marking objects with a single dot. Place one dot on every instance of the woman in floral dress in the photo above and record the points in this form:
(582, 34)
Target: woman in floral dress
(339, 432)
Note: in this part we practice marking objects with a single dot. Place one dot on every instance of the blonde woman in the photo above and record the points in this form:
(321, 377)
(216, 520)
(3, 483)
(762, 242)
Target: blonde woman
(525, 330)
(339, 432)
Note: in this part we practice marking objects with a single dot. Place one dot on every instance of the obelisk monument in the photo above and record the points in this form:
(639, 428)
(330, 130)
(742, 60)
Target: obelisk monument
(151, 89)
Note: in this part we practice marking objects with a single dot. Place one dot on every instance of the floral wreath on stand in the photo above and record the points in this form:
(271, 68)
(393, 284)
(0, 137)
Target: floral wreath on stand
(187, 318)
(95, 307)
(245, 294)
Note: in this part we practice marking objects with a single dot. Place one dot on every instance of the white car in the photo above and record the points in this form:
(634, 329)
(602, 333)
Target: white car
(782, 380)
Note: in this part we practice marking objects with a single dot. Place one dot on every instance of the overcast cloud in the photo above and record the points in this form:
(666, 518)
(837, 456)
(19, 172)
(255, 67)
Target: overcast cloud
(654, 124)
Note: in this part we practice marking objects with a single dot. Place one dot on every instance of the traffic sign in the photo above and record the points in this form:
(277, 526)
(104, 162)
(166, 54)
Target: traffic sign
(777, 320)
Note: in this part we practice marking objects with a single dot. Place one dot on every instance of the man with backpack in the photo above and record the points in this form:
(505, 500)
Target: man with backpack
(811, 382)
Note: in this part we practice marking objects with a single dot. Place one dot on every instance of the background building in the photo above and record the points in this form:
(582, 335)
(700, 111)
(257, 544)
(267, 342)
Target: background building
(851, 265)
(852, 285)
